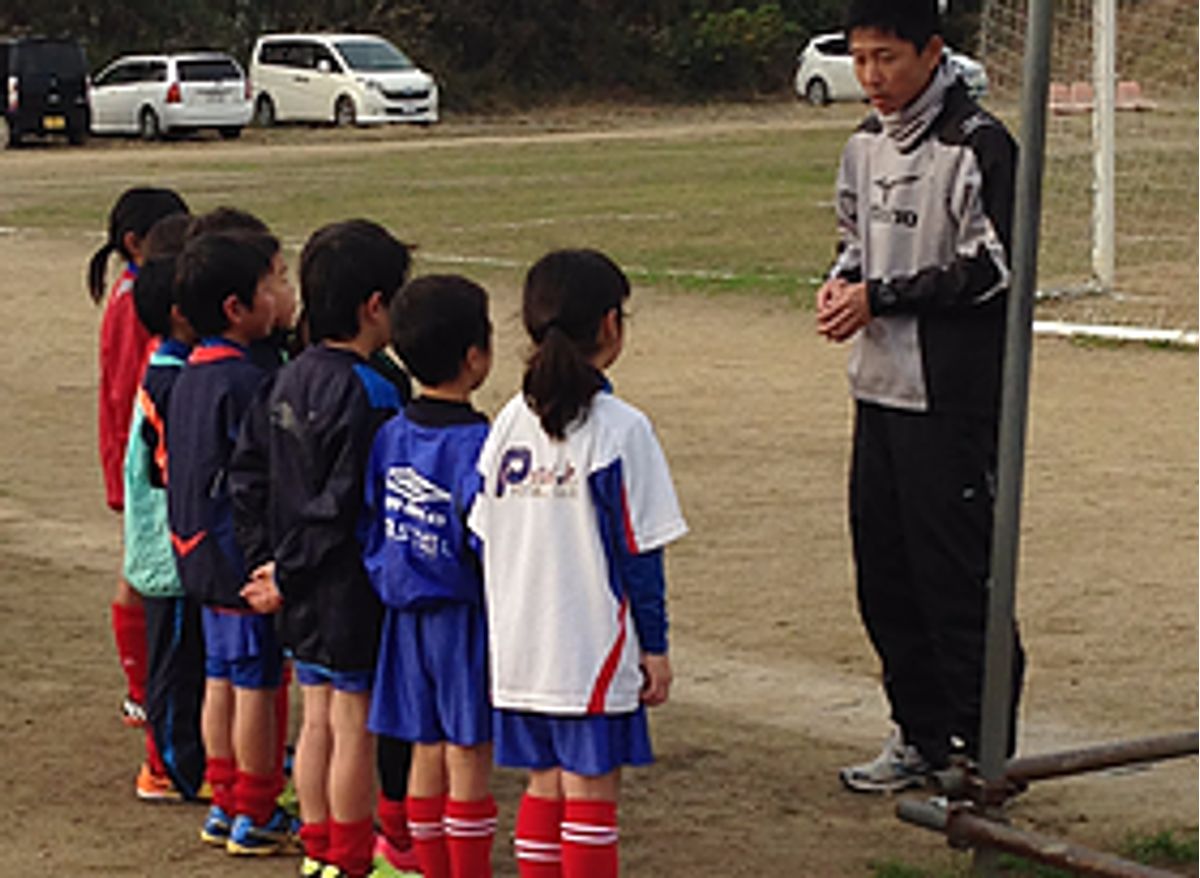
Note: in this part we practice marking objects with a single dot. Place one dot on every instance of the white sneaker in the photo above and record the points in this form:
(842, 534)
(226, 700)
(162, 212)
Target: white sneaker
(898, 766)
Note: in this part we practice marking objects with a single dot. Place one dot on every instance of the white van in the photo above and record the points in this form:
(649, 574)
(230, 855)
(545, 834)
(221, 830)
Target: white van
(346, 79)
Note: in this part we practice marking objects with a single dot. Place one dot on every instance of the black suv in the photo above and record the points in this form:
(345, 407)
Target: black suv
(45, 84)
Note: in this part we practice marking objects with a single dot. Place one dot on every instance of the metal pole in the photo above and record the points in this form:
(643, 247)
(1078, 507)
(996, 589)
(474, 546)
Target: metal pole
(1103, 756)
(1014, 407)
(964, 829)
(1104, 137)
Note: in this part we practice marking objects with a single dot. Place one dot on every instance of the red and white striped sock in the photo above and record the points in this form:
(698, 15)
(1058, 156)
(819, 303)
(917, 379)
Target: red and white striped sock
(539, 825)
(589, 839)
(470, 827)
(428, 835)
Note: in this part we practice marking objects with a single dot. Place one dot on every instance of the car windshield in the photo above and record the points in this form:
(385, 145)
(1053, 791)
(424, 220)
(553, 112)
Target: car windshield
(208, 70)
(65, 59)
(373, 55)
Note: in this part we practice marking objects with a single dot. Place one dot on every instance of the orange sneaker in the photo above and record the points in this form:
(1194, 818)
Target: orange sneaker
(151, 787)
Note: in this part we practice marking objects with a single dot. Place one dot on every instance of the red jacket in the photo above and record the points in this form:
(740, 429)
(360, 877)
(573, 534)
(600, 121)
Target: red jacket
(125, 346)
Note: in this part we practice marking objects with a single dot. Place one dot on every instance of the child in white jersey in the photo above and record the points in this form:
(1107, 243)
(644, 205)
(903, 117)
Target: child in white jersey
(575, 506)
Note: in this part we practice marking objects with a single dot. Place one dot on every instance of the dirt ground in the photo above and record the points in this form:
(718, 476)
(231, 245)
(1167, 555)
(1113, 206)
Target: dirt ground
(775, 682)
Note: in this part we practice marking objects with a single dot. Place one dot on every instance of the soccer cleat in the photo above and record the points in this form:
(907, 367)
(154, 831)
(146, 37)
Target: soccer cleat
(216, 826)
(276, 836)
(133, 714)
(310, 868)
(391, 862)
(151, 787)
(898, 766)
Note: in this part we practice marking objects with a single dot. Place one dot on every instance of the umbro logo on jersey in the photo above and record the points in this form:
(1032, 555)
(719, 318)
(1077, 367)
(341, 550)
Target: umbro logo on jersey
(414, 487)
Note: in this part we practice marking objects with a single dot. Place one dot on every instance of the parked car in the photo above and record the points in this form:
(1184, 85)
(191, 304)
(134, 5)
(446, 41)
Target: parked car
(826, 71)
(158, 95)
(346, 79)
(45, 89)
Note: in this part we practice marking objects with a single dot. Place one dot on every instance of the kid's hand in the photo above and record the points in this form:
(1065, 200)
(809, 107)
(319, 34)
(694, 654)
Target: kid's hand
(656, 679)
(261, 592)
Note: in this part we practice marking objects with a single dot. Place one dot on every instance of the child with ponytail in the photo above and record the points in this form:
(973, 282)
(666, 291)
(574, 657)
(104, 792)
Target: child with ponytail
(125, 347)
(574, 508)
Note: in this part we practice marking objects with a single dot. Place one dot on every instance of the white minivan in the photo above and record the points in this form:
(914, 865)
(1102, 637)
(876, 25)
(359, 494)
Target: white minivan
(346, 79)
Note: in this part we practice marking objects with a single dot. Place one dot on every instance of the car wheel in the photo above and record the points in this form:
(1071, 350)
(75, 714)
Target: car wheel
(231, 133)
(77, 136)
(817, 92)
(264, 112)
(148, 125)
(344, 114)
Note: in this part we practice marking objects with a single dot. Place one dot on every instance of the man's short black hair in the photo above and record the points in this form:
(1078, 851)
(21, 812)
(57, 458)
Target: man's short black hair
(912, 20)
(213, 267)
(436, 319)
(340, 267)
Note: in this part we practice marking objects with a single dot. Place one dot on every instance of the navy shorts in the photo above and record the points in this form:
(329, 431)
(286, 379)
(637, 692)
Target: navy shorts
(309, 674)
(587, 745)
(242, 648)
(431, 683)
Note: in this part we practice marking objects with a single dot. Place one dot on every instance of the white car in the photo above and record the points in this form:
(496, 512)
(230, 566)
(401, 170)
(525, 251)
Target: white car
(346, 79)
(826, 71)
(158, 95)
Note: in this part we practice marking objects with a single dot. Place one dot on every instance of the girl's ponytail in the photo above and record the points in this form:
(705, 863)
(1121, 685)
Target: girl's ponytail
(97, 268)
(136, 211)
(567, 294)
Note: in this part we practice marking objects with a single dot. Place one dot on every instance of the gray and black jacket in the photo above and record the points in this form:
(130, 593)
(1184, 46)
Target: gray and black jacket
(924, 208)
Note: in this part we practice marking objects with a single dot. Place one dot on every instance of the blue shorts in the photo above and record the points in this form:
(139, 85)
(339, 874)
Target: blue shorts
(309, 674)
(586, 745)
(242, 648)
(431, 683)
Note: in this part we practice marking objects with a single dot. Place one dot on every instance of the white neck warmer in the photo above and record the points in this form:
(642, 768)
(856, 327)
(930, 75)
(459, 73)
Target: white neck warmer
(906, 125)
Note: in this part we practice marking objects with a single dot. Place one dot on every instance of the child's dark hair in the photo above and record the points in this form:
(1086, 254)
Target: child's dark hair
(914, 21)
(154, 289)
(436, 319)
(213, 267)
(341, 265)
(136, 211)
(226, 219)
(567, 295)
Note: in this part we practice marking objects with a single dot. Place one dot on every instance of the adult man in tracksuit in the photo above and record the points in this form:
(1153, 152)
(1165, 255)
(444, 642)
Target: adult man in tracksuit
(924, 208)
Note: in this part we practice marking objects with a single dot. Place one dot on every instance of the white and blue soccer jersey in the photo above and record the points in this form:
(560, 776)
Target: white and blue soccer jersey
(559, 521)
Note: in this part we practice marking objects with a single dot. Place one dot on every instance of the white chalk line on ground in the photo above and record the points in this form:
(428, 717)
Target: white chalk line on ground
(795, 695)
(1189, 338)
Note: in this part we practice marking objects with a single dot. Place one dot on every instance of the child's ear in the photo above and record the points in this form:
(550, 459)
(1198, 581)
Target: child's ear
(232, 308)
(133, 246)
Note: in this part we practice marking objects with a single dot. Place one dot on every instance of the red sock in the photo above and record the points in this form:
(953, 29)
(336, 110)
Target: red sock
(315, 839)
(152, 755)
(351, 845)
(428, 838)
(393, 822)
(539, 851)
(221, 774)
(254, 795)
(470, 827)
(589, 839)
(129, 630)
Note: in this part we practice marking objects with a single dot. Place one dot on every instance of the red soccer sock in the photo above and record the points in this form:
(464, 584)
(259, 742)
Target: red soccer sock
(470, 827)
(254, 795)
(351, 846)
(152, 755)
(539, 851)
(393, 822)
(589, 839)
(315, 839)
(221, 775)
(129, 631)
(428, 836)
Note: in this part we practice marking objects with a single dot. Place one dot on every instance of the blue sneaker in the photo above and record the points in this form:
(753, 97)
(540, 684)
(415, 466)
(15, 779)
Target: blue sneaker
(216, 826)
(276, 836)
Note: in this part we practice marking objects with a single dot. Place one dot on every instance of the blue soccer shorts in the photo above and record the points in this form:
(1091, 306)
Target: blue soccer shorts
(432, 678)
(586, 745)
(242, 648)
(353, 682)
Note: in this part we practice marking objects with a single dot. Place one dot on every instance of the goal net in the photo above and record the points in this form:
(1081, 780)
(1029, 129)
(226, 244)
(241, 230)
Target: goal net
(1150, 274)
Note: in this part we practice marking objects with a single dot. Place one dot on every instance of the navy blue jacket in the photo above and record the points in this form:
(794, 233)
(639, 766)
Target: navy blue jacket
(324, 408)
(204, 417)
